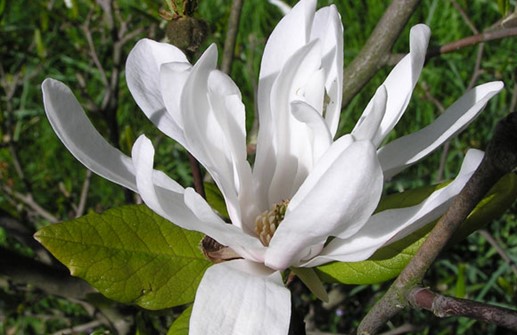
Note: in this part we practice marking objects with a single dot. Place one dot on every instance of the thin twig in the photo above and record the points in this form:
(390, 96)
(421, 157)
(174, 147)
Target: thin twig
(513, 102)
(460, 44)
(465, 17)
(50, 279)
(500, 250)
(29, 202)
(84, 194)
(477, 66)
(15, 229)
(197, 175)
(446, 145)
(472, 40)
(444, 306)
(404, 329)
(500, 158)
(231, 36)
(86, 328)
(472, 82)
(93, 52)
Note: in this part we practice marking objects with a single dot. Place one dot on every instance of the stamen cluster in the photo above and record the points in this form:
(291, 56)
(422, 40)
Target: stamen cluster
(267, 222)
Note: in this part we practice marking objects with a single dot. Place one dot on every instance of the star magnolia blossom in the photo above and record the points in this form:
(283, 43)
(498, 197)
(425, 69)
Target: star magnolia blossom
(304, 185)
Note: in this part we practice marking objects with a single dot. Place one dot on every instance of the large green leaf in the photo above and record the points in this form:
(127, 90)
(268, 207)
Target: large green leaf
(130, 255)
(387, 262)
(181, 324)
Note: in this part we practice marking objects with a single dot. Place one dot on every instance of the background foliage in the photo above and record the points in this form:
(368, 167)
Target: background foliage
(85, 45)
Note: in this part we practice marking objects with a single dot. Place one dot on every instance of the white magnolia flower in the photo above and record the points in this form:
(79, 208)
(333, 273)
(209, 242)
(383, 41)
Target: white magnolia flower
(304, 186)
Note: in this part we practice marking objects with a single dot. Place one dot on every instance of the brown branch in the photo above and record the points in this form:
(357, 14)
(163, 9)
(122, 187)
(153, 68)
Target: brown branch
(57, 281)
(443, 156)
(404, 329)
(231, 36)
(86, 328)
(477, 66)
(376, 51)
(84, 194)
(444, 306)
(28, 200)
(513, 102)
(472, 40)
(93, 52)
(465, 17)
(54, 281)
(15, 229)
(500, 250)
(197, 175)
(500, 159)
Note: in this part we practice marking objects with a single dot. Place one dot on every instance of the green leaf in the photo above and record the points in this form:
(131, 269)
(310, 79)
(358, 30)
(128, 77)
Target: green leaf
(130, 255)
(387, 262)
(215, 199)
(181, 324)
(493, 205)
(311, 280)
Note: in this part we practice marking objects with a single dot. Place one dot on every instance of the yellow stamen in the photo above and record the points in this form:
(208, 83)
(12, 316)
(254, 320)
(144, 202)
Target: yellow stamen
(267, 223)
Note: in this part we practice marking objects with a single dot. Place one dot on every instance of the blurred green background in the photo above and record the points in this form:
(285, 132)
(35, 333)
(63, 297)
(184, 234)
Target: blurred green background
(85, 45)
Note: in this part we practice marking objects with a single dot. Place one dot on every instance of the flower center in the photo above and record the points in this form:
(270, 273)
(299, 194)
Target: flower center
(267, 222)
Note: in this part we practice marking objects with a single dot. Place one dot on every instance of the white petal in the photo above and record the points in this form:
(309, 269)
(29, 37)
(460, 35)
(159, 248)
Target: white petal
(143, 80)
(282, 6)
(239, 297)
(183, 208)
(327, 27)
(337, 198)
(402, 80)
(213, 123)
(368, 125)
(313, 91)
(321, 137)
(73, 128)
(294, 33)
(291, 138)
(393, 224)
(290, 34)
(173, 77)
(407, 150)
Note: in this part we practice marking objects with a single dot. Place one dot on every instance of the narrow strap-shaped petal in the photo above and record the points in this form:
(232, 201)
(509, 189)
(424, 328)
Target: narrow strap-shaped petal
(291, 137)
(402, 80)
(289, 35)
(173, 77)
(336, 199)
(213, 123)
(240, 297)
(407, 150)
(393, 224)
(368, 125)
(282, 6)
(321, 137)
(327, 28)
(143, 80)
(169, 200)
(73, 128)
